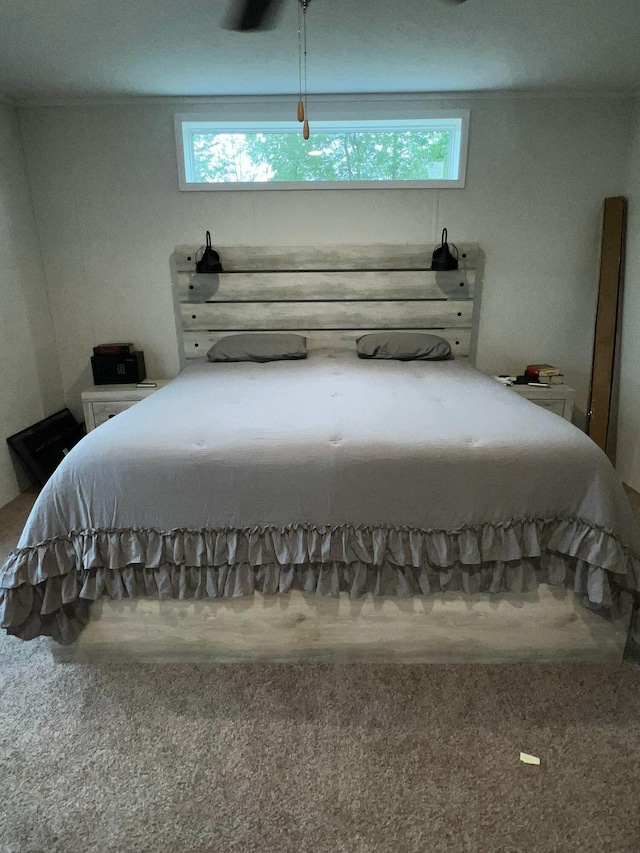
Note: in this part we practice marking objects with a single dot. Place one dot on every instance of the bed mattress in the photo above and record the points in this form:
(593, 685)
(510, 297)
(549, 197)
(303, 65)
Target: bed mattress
(328, 474)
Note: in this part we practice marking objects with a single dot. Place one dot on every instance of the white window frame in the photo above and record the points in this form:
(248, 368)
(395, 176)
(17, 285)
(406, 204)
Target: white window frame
(188, 124)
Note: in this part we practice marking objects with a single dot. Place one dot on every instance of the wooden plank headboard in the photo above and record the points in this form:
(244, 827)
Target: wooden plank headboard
(330, 294)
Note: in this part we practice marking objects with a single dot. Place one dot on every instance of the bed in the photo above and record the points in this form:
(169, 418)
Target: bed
(329, 507)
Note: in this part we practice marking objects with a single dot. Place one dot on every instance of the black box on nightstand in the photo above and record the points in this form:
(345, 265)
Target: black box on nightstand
(121, 369)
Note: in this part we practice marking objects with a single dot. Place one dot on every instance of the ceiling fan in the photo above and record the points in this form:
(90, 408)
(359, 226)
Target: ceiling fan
(250, 15)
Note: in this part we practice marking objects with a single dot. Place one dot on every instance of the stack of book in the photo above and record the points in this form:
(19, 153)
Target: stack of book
(545, 374)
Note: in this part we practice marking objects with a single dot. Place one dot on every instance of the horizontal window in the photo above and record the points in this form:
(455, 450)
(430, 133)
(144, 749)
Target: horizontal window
(427, 152)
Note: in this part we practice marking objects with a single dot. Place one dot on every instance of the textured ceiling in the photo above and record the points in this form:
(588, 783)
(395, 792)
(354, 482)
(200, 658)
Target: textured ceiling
(97, 48)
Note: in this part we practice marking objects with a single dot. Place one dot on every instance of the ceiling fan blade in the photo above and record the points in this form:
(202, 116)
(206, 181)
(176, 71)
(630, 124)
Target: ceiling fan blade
(248, 15)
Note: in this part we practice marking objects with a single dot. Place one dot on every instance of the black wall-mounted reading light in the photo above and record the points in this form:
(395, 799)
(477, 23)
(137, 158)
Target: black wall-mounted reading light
(443, 259)
(210, 260)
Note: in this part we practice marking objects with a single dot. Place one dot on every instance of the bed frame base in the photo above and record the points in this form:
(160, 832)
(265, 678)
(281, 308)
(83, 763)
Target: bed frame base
(546, 626)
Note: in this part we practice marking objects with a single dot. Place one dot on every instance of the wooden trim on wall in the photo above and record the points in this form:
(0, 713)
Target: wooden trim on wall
(604, 346)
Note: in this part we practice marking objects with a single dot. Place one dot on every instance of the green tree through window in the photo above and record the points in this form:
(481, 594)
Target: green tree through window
(411, 155)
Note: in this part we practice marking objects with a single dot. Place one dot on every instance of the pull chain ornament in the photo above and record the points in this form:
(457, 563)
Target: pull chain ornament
(303, 111)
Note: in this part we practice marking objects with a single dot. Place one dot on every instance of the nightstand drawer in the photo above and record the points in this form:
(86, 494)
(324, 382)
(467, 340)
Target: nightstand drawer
(556, 406)
(103, 402)
(105, 411)
(558, 399)
(102, 419)
(111, 408)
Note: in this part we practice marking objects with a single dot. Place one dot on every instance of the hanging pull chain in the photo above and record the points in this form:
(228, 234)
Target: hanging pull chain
(300, 103)
(303, 110)
(305, 127)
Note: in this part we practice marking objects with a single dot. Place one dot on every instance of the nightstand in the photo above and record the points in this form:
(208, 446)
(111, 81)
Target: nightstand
(102, 402)
(555, 398)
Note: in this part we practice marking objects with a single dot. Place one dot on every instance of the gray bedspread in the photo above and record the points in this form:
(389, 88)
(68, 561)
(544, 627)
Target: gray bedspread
(328, 474)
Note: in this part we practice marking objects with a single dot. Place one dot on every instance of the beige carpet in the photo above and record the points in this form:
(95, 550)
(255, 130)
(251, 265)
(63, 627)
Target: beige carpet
(314, 757)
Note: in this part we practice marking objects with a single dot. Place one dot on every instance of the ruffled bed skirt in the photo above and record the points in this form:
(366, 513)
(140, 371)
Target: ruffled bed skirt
(47, 589)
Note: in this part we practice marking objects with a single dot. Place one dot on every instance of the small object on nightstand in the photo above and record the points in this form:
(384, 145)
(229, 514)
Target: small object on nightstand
(118, 368)
(146, 385)
(542, 369)
(544, 373)
(505, 379)
(113, 349)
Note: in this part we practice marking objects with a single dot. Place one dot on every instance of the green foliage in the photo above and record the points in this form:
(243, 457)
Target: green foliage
(348, 156)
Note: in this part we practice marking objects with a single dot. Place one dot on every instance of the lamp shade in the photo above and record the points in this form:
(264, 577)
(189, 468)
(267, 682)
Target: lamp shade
(210, 260)
(443, 259)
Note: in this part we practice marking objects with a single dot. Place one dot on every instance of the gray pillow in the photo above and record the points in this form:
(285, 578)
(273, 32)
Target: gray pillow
(404, 346)
(256, 347)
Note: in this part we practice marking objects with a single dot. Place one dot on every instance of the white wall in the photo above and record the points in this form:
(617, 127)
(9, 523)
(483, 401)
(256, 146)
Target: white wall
(109, 213)
(30, 383)
(628, 448)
